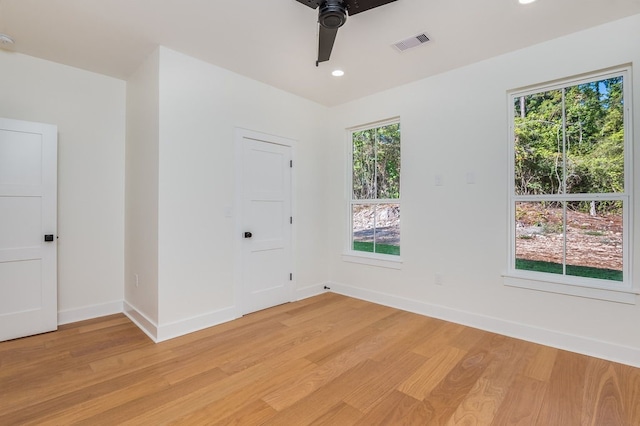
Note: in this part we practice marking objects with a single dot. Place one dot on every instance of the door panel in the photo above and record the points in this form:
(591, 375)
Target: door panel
(24, 297)
(266, 213)
(20, 224)
(21, 161)
(28, 186)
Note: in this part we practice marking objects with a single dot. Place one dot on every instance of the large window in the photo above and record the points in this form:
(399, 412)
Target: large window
(570, 196)
(375, 189)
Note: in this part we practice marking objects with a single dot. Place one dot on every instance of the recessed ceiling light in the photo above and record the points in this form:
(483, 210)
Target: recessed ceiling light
(526, 1)
(337, 73)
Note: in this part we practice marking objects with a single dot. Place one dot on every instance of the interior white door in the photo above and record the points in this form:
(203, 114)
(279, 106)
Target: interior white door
(266, 223)
(28, 196)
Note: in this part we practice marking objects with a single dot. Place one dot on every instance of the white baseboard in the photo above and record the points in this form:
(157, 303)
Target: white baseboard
(144, 323)
(88, 312)
(309, 291)
(583, 345)
(196, 323)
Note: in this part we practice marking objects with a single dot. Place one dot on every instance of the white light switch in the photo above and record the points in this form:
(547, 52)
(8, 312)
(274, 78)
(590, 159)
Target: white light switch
(471, 178)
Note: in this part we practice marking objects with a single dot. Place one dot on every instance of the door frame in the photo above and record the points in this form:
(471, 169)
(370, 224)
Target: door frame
(239, 137)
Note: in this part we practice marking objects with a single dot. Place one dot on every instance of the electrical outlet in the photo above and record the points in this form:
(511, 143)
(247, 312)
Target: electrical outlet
(438, 279)
(471, 178)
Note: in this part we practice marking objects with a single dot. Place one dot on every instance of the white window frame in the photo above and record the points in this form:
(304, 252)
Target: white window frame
(621, 292)
(362, 257)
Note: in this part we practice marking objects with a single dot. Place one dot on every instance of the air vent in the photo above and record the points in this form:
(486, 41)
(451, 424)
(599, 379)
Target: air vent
(414, 41)
(5, 39)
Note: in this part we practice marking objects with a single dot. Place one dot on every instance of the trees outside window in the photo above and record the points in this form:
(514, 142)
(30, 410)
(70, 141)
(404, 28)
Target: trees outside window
(570, 197)
(375, 189)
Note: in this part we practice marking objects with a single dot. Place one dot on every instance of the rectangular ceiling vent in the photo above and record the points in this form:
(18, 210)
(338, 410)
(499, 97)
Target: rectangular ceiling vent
(414, 41)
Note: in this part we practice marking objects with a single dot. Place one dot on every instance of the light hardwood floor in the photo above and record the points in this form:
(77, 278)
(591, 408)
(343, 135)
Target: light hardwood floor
(327, 360)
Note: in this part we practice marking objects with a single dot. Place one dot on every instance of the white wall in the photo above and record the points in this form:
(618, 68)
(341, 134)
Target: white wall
(141, 217)
(89, 110)
(456, 123)
(200, 107)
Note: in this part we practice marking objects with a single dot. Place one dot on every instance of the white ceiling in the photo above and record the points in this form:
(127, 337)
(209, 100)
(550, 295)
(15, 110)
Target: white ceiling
(275, 41)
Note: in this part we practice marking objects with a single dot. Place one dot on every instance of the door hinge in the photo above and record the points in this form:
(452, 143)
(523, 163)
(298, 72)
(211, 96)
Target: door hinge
(290, 276)
(291, 220)
(290, 163)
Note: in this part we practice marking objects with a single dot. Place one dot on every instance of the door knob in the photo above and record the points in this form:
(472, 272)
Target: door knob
(48, 238)
(248, 235)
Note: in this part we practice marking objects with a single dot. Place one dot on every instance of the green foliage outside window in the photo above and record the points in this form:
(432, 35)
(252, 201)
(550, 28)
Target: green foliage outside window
(376, 163)
(571, 144)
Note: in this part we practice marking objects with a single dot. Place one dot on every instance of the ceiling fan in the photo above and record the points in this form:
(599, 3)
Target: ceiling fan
(332, 15)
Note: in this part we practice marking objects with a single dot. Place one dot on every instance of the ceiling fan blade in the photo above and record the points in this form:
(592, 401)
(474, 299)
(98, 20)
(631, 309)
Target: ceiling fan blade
(357, 6)
(325, 45)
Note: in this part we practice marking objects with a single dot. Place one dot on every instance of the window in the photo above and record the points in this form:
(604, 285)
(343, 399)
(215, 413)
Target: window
(375, 189)
(570, 192)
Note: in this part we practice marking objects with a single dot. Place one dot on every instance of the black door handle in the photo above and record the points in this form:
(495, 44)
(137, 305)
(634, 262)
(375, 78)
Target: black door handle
(48, 238)
(248, 235)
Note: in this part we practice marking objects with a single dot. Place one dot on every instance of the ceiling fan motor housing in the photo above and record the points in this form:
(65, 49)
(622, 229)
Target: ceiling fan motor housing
(332, 14)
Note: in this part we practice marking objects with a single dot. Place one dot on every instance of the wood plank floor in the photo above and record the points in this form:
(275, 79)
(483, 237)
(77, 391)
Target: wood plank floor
(327, 360)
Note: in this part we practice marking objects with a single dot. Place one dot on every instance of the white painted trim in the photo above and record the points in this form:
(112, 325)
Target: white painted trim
(88, 312)
(570, 342)
(196, 323)
(373, 259)
(144, 323)
(372, 124)
(237, 222)
(310, 291)
(542, 282)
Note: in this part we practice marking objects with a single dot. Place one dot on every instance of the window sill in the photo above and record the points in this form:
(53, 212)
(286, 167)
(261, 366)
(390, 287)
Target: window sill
(546, 283)
(380, 260)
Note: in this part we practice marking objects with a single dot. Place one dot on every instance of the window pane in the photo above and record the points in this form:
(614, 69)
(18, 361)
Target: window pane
(594, 239)
(539, 237)
(595, 137)
(387, 236)
(363, 222)
(364, 165)
(388, 162)
(538, 143)
(376, 228)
